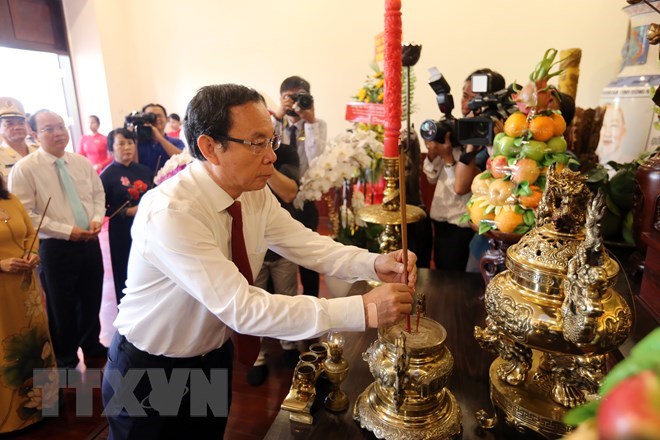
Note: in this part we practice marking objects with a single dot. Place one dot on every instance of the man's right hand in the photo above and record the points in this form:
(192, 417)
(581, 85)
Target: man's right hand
(444, 149)
(387, 304)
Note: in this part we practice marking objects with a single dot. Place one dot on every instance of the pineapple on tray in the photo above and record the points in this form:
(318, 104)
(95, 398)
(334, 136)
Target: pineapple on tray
(506, 195)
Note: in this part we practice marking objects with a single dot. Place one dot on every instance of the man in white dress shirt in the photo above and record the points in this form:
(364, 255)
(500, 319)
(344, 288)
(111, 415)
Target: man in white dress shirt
(185, 298)
(71, 270)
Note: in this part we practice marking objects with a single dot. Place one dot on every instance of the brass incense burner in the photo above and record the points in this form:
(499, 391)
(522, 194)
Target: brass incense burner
(553, 315)
(409, 398)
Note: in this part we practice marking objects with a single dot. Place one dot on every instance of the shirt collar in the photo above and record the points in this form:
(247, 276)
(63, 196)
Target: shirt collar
(217, 196)
(50, 158)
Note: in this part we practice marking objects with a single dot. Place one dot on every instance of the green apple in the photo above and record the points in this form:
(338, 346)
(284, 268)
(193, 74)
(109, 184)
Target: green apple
(534, 150)
(557, 144)
(508, 147)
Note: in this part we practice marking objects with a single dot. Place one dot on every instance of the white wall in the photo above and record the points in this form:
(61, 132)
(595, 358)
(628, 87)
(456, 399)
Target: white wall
(164, 50)
(88, 63)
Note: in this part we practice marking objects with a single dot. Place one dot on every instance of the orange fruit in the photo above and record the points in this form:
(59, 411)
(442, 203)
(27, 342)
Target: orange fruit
(508, 220)
(531, 201)
(516, 125)
(477, 213)
(542, 128)
(559, 124)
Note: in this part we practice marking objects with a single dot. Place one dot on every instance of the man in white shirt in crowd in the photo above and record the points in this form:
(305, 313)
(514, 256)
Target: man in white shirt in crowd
(13, 134)
(188, 292)
(296, 120)
(71, 268)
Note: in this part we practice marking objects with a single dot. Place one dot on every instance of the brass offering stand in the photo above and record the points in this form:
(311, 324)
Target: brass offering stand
(553, 315)
(312, 365)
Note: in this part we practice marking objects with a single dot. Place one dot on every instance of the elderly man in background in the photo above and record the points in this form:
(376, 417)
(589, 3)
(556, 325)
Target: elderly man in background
(13, 133)
(71, 264)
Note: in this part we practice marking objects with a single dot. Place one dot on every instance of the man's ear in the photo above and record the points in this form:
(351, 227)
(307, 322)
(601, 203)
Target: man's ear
(209, 148)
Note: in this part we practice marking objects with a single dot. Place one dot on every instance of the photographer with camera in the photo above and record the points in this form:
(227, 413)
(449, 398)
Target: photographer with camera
(154, 146)
(303, 132)
(453, 145)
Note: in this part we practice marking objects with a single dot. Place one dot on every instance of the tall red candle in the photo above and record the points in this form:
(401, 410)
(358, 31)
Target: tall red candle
(392, 98)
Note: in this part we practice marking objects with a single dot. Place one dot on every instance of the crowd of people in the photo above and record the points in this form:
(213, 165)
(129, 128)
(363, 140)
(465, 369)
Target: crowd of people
(211, 242)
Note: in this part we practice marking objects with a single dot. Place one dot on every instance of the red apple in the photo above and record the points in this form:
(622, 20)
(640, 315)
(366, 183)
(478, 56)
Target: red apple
(631, 410)
(525, 170)
(499, 167)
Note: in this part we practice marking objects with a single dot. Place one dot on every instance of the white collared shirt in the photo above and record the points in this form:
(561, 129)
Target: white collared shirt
(311, 141)
(35, 178)
(184, 294)
(447, 206)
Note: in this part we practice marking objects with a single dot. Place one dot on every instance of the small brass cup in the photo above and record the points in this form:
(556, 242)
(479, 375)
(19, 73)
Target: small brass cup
(320, 349)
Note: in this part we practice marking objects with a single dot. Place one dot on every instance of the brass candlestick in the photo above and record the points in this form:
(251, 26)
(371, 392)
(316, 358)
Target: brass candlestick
(336, 369)
(389, 213)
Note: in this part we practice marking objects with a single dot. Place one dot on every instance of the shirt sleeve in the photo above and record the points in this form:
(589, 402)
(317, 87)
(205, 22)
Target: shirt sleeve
(432, 169)
(316, 137)
(23, 186)
(98, 196)
(196, 264)
(81, 148)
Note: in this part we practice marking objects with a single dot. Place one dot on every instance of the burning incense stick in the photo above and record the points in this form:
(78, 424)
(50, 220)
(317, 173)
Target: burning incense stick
(117, 211)
(34, 240)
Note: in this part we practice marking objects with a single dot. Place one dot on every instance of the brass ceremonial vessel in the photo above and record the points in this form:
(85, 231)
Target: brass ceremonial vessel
(409, 398)
(553, 315)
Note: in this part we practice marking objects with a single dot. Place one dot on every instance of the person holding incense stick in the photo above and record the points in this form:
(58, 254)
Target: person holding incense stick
(124, 182)
(23, 324)
(71, 268)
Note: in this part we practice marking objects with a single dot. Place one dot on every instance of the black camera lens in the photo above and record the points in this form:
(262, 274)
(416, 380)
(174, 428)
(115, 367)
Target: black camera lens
(428, 129)
(304, 100)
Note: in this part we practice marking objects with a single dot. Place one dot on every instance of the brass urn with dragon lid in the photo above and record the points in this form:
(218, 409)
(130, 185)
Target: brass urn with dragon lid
(553, 315)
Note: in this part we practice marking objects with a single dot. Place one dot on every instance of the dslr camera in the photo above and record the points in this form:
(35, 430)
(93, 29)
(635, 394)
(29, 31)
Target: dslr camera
(137, 121)
(304, 100)
(492, 101)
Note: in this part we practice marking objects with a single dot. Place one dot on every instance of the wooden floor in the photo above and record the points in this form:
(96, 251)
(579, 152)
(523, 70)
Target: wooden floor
(252, 412)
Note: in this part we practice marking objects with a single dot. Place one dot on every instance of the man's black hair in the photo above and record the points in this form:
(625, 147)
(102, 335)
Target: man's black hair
(209, 112)
(295, 83)
(567, 107)
(33, 118)
(144, 109)
(4, 193)
(175, 117)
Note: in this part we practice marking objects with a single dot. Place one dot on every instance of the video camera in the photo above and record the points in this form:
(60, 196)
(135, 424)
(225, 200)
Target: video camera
(488, 105)
(304, 100)
(137, 122)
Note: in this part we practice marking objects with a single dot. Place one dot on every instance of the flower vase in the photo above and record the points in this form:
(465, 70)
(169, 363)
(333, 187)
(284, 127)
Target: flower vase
(628, 127)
